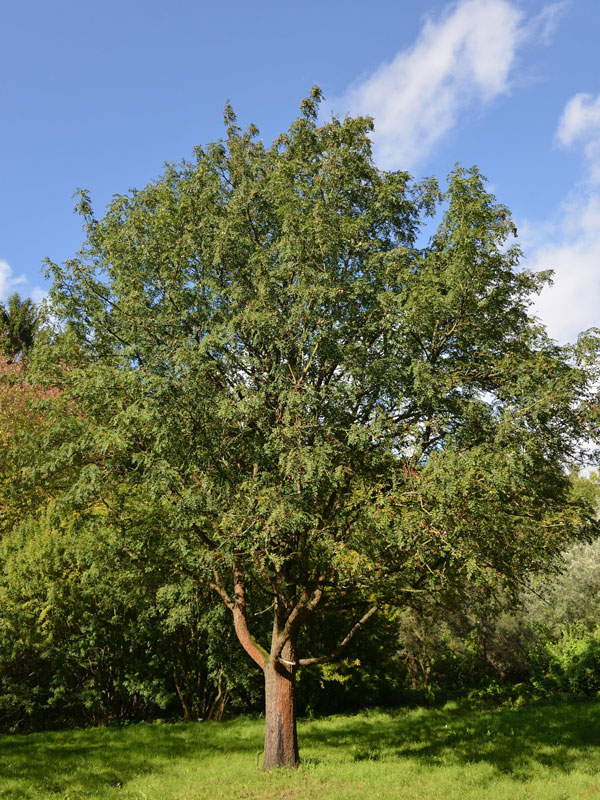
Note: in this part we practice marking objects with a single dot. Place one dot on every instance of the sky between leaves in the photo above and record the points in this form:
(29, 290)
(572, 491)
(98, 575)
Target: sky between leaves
(101, 95)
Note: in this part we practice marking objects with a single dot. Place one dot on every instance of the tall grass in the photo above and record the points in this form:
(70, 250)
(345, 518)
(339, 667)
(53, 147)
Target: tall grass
(535, 753)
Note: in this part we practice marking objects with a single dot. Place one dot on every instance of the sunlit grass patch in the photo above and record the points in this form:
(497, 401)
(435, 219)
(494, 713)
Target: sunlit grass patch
(541, 753)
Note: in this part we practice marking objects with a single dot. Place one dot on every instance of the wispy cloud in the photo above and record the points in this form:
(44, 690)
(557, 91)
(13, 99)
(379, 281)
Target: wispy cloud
(570, 243)
(9, 283)
(543, 25)
(581, 117)
(466, 56)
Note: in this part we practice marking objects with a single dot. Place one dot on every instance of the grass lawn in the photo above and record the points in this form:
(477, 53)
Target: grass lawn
(541, 753)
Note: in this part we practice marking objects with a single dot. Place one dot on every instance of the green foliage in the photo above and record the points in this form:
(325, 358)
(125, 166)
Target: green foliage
(19, 324)
(558, 619)
(569, 598)
(456, 647)
(369, 675)
(570, 665)
(89, 635)
(262, 341)
(486, 645)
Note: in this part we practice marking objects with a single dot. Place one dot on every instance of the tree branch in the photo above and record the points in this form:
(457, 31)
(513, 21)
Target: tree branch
(240, 620)
(305, 662)
(296, 618)
(217, 586)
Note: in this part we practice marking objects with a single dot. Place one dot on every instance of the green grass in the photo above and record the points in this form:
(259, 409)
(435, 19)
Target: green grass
(530, 753)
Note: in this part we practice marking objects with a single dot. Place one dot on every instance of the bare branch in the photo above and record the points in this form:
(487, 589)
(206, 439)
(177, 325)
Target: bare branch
(219, 590)
(305, 662)
(202, 535)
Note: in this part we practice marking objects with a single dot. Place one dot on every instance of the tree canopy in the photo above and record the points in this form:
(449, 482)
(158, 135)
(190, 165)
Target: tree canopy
(323, 409)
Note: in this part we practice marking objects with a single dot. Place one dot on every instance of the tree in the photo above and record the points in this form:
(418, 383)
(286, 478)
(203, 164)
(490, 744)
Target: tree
(77, 615)
(327, 414)
(19, 323)
(23, 416)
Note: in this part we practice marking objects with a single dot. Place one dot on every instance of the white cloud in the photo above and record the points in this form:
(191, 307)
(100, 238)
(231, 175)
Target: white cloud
(572, 249)
(543, 26)
(570, 243)
(38, 295)
(581, 117)
(467, 56)
(580, 123)
(10, 283)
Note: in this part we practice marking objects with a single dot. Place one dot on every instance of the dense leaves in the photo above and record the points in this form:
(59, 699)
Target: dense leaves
(89, 634)
(267, 347)
(19, 324)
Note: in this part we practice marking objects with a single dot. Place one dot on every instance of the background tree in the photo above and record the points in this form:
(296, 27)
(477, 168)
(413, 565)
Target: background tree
(90, 634)
(548, 640)
(19, 324)
(327, 414)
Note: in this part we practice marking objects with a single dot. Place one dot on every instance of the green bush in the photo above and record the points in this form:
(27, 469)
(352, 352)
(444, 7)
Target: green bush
(91, 635)
(570, 665)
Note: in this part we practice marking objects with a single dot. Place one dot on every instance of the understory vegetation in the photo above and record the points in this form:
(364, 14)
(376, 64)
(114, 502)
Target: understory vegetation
(92, 635)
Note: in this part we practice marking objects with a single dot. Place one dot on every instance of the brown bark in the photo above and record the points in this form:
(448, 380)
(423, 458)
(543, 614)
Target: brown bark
(240, 619)
(281, 738)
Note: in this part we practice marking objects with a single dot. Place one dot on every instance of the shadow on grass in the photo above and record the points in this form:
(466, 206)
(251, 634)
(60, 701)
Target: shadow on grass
(515, 742)
(89, 761)
(562, 737)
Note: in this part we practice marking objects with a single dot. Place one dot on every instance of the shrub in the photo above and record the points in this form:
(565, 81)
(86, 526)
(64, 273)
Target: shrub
(570, 665)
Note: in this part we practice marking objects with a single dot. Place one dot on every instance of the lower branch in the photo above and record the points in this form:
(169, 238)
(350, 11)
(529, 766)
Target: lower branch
(305, 662)
(240, 621)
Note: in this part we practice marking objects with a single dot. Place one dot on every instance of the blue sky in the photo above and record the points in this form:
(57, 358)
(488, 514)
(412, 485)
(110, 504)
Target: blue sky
(101, 95)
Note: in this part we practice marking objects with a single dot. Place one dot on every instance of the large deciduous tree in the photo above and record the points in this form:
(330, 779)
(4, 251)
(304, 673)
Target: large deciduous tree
(327, 411)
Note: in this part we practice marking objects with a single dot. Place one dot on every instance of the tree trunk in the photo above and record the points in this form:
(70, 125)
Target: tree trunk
(281, 739)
